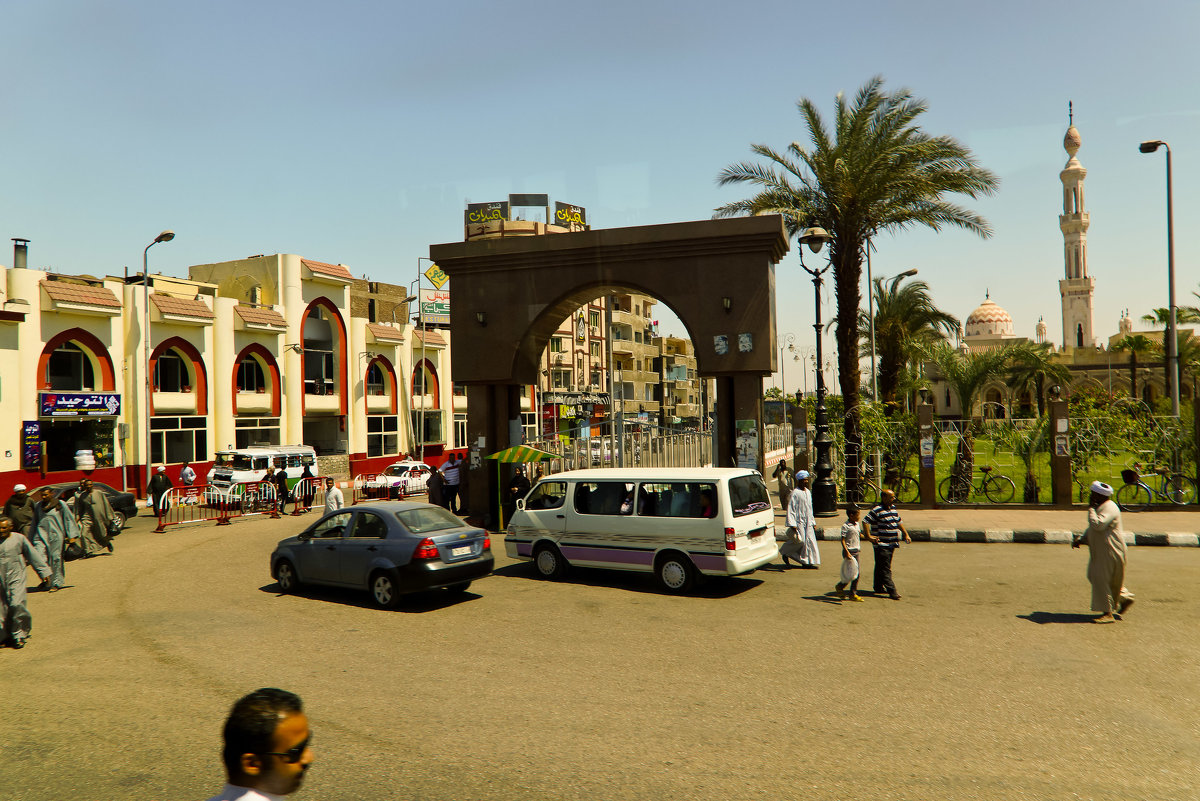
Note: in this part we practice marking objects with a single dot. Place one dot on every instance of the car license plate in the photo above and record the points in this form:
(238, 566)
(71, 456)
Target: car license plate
(756, 533)
(463, 551)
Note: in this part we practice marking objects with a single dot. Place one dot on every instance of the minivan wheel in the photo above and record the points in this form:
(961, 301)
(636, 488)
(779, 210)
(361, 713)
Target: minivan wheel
(384, 591)
(676, 573)
(549, 562)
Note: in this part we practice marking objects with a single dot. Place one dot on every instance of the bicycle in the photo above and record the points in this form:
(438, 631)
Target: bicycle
(1136, 494)
(996, 488)
(906, 488)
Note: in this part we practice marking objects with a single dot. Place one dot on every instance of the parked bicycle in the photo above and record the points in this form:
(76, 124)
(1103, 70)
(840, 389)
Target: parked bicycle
(996, 488)
(906, 488)
(1136, 494)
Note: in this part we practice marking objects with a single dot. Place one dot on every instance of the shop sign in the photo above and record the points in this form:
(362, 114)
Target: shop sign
(576, 398)
(436, 276)
(31, 445)
(80, 404)
(435, 306)
(485, 212)
(566, 214)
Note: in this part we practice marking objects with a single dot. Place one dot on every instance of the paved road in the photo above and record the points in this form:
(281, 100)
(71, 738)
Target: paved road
(986, 681)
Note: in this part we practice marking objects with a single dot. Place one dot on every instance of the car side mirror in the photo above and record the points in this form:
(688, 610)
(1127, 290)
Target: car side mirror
(520, 504)
(304, 536)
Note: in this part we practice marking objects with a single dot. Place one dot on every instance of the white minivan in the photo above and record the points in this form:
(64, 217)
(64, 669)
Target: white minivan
(247, 465)
(674, 522)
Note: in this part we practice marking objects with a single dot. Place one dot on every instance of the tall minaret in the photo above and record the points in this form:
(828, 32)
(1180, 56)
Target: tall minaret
(1078, 287)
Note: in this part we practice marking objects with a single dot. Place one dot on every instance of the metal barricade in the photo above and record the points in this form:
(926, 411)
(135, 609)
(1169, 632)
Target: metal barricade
(195, 504)
(374, 487)
(307, 493)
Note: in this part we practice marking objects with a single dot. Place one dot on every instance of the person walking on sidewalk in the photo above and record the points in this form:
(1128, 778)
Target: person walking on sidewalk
(850, 549)
(801, 543)
(883, 528)
(334, 499)
(785, 482)
(1105, 540)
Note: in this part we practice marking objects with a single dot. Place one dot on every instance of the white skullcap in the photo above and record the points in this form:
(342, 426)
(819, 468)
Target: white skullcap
(162, 469)
(802, 474)
(19, 488)
(1101, 488)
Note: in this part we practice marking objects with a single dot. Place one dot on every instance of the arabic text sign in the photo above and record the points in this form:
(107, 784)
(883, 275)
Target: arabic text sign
(31, 445)
(566, 214)
(80, 404)
(435, 306)
(436, 276)
(485, 212)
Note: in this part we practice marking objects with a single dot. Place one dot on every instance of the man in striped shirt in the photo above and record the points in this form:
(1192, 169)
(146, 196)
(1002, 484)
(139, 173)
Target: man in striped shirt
(883, 528)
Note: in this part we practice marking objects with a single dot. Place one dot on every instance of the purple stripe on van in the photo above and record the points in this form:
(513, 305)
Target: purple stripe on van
(617, 555)
(709, 561)
(524, 549)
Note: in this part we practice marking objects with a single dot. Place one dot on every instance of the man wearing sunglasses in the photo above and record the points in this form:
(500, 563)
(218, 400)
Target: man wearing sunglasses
(267, 749)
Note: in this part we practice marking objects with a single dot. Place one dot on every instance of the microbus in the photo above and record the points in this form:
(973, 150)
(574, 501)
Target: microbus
(245, 465)
(677, 523)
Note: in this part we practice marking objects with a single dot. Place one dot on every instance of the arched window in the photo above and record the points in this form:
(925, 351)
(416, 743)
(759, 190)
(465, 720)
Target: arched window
(1079, 335)
(375, 379)
(170, 372)
(69, 367)
(250, 376)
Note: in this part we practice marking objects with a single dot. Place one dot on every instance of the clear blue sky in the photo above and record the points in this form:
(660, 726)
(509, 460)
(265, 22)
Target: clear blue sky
(356, 132)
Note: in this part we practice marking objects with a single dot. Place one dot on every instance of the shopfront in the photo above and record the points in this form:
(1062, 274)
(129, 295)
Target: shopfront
(74, 430)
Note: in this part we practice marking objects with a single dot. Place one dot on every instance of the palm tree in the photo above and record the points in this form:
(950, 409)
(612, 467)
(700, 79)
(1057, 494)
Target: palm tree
(876, 170)
(1135, 344)
(968, 373)
(1032, 366)
(1162, 316)
(906, 322)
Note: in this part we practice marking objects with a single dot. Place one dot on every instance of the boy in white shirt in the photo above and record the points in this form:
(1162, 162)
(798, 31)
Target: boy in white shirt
(850, 548)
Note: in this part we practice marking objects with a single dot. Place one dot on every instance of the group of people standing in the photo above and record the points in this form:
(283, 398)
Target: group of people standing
(45, 533)
(445, 484)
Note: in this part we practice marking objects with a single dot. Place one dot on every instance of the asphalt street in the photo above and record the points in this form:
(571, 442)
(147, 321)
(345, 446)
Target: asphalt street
(986, 681)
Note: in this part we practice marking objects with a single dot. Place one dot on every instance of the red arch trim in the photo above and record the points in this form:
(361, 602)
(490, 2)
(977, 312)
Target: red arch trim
(89, 342)
(343, 395)
(198, 369)
(390, 376)
(272, 375)
(433, 390)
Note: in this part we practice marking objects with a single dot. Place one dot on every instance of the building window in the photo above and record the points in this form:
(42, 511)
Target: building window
(170, 372)
(383, 434)
(637, 336)
(460, 429)
(556, 345)
(374, 380)
(561, 379)
(250, 376)
(459, 390)
(595, 349)
(423, 378)
(595, 378)
(249, 431)
(429, 423)
(178, 439)
(594, 319)
(69, 368)
(318, 371)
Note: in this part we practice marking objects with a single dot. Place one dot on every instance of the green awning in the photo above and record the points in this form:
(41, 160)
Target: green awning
(522, 454)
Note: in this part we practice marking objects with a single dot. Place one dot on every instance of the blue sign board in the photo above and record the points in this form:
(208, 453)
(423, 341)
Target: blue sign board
(80, 404)
(31, 445)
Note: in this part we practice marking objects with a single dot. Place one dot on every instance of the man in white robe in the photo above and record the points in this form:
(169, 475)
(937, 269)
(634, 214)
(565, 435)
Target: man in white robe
(801, 543)
(1105, 540)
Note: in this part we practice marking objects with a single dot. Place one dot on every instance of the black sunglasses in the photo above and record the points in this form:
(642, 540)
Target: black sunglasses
(292, 755)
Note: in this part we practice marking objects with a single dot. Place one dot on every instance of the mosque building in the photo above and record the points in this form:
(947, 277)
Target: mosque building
(1091, 362)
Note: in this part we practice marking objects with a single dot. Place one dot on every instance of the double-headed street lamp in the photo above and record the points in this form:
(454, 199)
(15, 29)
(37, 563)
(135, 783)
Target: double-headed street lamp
(786, 342)
(824, 491)
(165, 236)
(1172, 340)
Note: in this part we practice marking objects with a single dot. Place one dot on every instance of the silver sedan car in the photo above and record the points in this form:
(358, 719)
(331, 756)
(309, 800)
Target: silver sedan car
(390, 549)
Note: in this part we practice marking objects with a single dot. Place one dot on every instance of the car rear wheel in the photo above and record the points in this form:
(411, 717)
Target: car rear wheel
(384, 591)
(549, 562)
(118, 518)
(676, 573)
(285, 575)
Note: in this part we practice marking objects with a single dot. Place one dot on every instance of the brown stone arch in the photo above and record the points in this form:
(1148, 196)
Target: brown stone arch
(389, 373)
(718, 276)
(270, 372)
(339, 333)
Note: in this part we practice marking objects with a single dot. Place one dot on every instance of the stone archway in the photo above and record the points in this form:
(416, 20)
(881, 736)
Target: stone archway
(509, 295)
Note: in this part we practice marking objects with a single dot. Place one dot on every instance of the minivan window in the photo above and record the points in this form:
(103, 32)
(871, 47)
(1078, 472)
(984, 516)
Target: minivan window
(547, 495)
(604, 498)
(748, 494)
(677, 499)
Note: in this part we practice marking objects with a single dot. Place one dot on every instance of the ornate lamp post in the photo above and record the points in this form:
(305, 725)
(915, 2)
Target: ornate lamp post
(824, 491)
(165, 236)
(786, 342)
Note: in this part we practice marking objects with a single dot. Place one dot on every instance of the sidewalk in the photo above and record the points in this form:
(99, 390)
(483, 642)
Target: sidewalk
(991, 524)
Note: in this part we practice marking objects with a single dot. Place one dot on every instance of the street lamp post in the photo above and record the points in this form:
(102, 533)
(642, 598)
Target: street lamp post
(787, 342)
(165, 236)
(824, 491)
(1172, 340)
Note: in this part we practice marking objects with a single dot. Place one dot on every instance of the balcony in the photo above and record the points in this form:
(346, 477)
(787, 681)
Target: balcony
(624, 346)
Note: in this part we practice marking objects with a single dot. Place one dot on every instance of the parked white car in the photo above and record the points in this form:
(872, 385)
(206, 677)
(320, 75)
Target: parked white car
(399, 479)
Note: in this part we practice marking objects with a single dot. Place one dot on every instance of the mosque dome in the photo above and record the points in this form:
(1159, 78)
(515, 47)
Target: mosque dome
(989, 320)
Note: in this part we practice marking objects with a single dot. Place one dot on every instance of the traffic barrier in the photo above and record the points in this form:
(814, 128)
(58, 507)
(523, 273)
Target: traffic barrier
(307, 493)
(194, 504)
(379, 487)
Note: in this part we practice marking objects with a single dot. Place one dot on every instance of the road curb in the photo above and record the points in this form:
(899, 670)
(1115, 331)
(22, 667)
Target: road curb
(1029, 536)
